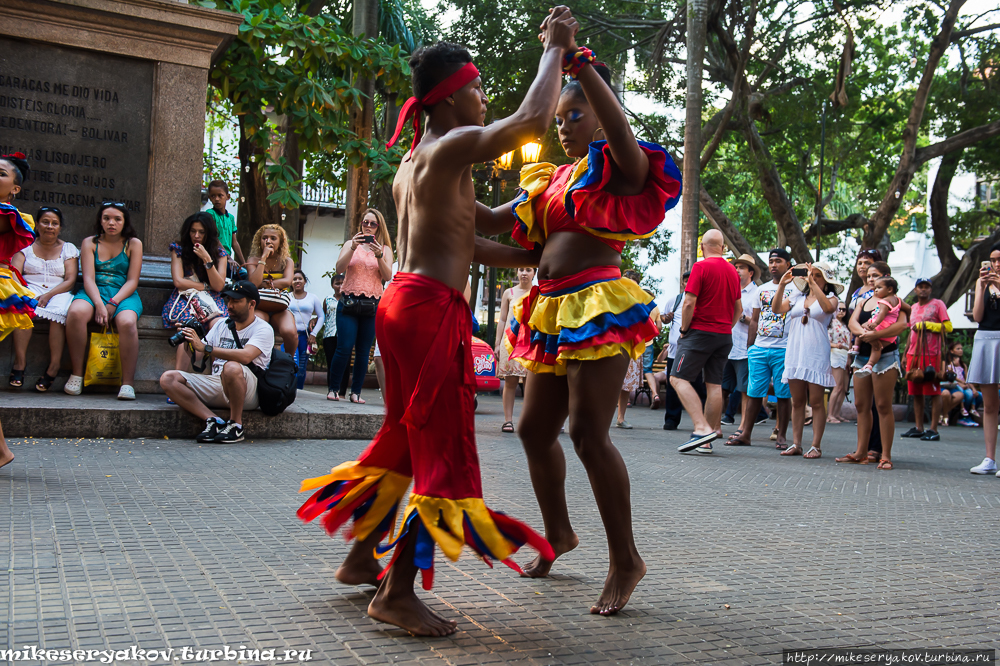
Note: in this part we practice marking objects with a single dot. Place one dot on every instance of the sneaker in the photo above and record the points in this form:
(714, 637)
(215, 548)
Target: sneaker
(986, 467)
(229, 433)
(126, 392)
(704, 448)
(762, 420)
(968, 423)
(74, 385)
(930, 436)
(210, 431)
(670, 425)
(913, 433)
(728, 420)
(695, 442)
(624, 425)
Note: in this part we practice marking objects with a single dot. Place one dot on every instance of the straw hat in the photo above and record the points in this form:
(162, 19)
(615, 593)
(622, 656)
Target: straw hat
(828, 275)
(748, 261)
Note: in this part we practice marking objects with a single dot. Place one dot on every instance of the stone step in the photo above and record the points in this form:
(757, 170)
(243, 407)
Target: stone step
(26, 413)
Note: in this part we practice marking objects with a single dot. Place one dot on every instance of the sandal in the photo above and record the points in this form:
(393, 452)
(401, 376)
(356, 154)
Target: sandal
(734, 439)
(808, 421)
(851, 458)
(792, 451)
(813, 453)
(44, 383)
(356, 398)
(656, 402)
(507, 427)
(16, 378)
(872, 456)
(332, 395)
(884, 464)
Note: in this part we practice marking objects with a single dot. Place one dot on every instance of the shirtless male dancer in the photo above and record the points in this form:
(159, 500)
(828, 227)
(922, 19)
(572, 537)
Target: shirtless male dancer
(429, 429)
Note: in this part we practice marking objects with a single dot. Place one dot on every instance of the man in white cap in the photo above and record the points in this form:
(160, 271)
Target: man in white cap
(737, 369)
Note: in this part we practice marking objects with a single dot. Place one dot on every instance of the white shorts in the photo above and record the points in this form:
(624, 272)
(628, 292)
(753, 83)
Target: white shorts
(208, 388)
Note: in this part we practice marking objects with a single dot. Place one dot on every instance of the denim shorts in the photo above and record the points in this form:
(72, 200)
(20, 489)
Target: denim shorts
(647, 359)
(887, 362)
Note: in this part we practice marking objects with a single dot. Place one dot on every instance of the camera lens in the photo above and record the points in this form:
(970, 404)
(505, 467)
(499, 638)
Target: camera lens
(176, 339)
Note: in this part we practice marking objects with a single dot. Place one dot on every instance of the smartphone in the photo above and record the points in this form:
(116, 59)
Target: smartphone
(985, 267)
(800, 272)
(371, 239)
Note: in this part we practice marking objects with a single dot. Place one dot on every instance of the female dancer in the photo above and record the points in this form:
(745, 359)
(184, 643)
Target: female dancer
(510, 371)
(580, 327)
(16, 233)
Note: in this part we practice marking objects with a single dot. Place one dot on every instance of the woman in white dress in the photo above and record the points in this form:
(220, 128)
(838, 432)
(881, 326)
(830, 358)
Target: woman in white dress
(49, 266)
(807, 361)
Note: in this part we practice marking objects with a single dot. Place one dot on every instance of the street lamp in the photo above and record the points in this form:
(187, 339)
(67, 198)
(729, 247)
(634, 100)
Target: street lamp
(530, 152)
(499, 173)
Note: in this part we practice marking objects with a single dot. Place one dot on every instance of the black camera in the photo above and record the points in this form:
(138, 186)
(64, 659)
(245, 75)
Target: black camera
(950, 376)
(178, 337)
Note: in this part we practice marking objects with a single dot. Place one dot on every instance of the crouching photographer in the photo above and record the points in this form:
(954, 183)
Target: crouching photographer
(232, 384)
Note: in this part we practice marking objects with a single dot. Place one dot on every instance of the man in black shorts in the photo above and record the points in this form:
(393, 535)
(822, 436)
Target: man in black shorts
(711, 307)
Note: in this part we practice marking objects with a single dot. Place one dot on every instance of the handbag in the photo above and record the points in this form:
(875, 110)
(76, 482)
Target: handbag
(190, 304)
(273, 300)
(276, 385)
(928, 373)
(357, 305)
(104, 364)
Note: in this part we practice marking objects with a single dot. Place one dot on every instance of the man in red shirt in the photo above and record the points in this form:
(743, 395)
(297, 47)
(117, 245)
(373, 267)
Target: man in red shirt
(711, 307)
(929, 322)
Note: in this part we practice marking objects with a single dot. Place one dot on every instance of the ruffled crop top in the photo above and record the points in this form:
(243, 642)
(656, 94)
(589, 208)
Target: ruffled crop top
(21, 235)
(572, 198)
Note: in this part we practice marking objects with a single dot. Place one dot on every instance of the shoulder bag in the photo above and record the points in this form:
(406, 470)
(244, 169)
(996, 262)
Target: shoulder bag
(276, 385)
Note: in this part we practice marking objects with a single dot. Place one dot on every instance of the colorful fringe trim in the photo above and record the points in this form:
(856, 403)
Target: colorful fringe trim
(369, 495)
(614, 218)
(17, 302)
(590, 315)
(453, 523)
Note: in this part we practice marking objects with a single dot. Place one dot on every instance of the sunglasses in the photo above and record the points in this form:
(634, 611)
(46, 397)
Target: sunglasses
(107, 203)
(368, 223)
(49, 209)
(871, 254)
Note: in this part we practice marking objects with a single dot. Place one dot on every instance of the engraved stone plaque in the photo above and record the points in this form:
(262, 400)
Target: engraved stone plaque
(83, 120)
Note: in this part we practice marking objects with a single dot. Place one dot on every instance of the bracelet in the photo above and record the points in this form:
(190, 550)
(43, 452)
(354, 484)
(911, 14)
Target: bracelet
(574, 62)
(113, 302)
(379, 256)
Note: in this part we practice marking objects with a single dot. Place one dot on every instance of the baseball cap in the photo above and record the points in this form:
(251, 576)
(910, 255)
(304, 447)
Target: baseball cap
(780, 252)
(242, 289)
(923, 280)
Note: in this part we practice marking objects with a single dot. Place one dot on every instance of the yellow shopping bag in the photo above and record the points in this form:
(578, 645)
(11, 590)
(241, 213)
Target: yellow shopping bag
(104, 365)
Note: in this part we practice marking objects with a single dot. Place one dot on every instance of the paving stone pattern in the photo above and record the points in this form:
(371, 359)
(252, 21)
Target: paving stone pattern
(164, 543)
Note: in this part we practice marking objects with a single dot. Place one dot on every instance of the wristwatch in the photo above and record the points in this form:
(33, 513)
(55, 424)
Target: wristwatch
(209, 349)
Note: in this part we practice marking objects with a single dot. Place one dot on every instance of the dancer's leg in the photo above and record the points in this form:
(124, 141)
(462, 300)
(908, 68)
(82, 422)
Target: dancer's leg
(592, 387)
(397, 603)
(544, 410)
(7, 457)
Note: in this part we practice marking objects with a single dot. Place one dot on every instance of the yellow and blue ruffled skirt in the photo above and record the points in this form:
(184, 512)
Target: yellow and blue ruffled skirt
(583, 317)
(17, 302)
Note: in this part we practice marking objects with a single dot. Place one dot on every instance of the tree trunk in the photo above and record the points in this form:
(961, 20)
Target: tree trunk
(968, 270)
(789, 227)
(254, 211)
(365, 23)
(907, 166)
(696, 35)
(939, 219)
(477, 272)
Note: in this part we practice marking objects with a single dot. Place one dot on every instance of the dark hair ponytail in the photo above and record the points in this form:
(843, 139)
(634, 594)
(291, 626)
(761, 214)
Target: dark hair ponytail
(575, 88)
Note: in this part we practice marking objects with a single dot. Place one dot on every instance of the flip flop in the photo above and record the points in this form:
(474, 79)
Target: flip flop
(884, 464)
(849, 458)
(792, 451)
(734, 439)
(812, 453)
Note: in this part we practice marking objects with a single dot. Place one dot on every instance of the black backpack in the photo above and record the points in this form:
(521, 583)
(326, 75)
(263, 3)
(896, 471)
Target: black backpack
(276, 385)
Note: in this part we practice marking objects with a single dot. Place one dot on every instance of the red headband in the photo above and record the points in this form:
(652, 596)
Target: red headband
(414, 106)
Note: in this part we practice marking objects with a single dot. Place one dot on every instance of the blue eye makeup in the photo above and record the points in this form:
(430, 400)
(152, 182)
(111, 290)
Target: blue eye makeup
(575, 115)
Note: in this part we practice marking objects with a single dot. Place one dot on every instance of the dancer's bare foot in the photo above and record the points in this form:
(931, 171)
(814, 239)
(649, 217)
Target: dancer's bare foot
(539, 567)
(359, 573)
(408, 612)
(6, 457)
(360, 567)
(618, 588)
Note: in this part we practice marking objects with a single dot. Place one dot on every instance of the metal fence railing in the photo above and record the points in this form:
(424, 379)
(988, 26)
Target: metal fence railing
(324, 195)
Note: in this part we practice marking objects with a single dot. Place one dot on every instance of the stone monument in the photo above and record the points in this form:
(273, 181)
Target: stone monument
(107, 100)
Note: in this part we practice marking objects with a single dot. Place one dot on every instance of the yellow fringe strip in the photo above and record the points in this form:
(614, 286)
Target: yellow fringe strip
(392, 489)
(434, 510)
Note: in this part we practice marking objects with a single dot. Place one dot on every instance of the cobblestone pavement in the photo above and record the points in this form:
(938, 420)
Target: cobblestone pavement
(160, 543)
